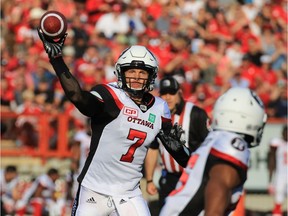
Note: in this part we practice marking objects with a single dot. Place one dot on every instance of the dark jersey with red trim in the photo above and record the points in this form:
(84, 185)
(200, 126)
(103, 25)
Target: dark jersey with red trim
(121, 134)
(218, 147)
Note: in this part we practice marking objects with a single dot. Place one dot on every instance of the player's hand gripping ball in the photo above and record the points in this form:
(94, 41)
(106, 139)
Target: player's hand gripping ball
(53, 25)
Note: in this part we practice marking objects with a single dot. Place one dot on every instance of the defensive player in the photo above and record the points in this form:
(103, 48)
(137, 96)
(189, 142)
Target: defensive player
(125, 119)
(194, 122)
(213, 180)
(278, 166)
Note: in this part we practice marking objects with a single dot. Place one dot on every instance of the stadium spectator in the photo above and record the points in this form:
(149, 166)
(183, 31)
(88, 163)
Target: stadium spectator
(80, 36)
(192, 7)
(26, 124)
(277, 106)
(238, 81)
(115, 22)
(249, 71)
(204, 97)
(136, 24)
(235, 54)
(67, 7)
(95, 9)
(279, 57)
(86, 67)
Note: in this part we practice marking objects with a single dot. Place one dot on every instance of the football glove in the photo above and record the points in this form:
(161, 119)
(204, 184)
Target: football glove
(52, 48)
(174, 140)
(174, 143)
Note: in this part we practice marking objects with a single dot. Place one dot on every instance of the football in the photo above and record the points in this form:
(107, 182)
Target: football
(53, 24)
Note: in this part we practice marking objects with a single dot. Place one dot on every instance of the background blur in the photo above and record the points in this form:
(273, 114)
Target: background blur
(207, 45)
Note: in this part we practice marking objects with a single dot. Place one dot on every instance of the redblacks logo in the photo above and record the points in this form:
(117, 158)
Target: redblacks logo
(130, 111)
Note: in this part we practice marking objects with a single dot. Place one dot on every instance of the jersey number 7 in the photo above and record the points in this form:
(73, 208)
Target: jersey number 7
(133, 134)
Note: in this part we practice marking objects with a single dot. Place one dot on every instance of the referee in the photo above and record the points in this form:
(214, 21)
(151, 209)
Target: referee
(193, 120)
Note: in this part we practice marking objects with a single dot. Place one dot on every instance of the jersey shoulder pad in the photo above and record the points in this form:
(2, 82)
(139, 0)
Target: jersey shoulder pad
(97, 91)
(162, 104)
(230, 146)
(113, 85)
(104, 91)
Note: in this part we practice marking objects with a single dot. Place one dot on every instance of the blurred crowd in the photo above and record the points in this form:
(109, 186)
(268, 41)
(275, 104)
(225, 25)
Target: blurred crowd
(207, 45)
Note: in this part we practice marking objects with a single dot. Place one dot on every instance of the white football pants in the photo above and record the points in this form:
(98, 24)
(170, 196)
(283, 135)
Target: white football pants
(90, 203)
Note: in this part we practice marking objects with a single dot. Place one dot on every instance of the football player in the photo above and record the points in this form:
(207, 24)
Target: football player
(125, 118)
(213, 180)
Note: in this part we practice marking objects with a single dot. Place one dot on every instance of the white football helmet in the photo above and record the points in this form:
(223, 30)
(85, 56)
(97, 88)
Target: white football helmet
(136, 57)
(241, 111)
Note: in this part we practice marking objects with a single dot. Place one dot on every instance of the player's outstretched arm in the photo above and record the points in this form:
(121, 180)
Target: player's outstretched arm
(83, 100)
(175, 144)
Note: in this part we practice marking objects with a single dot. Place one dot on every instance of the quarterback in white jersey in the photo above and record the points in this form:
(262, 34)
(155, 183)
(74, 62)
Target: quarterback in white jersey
(125, 119)
(213, 180)
(278, 166)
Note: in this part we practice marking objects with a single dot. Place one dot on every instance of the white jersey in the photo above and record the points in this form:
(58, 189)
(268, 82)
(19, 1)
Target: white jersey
(188, 198)
(120, 139)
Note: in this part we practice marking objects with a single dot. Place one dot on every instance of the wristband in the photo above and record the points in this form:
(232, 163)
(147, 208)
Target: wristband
(149, 181)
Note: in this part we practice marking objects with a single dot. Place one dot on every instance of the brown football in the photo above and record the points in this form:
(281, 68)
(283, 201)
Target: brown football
(53, 24)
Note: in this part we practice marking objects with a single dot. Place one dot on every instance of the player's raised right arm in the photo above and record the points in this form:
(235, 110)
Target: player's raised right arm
(87, 103)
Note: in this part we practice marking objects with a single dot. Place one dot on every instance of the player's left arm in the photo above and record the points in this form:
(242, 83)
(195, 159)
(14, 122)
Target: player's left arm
(223, 178)
(174, 143)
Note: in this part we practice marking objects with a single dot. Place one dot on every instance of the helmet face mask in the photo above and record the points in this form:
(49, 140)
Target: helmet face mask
(136, 57)
(129, 83)
(241, 111)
